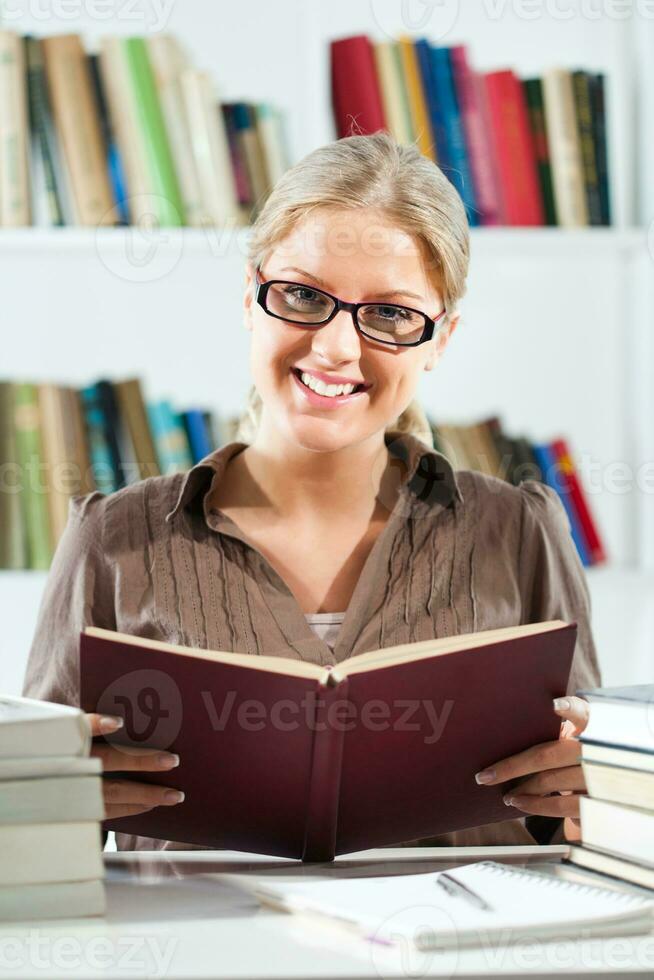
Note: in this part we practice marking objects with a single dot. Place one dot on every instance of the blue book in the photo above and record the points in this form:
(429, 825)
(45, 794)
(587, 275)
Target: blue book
(99, 455)
(434, 107)
(196, 430)
(549, 467)
(445, 94)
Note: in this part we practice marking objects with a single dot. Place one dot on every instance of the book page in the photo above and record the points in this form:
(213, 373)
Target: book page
(409, 652)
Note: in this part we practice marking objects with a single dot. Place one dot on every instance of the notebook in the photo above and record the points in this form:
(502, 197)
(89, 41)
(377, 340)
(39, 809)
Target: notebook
(521, 904)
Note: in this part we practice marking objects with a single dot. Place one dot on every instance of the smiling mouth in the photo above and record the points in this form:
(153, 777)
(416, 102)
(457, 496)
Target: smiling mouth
(359, 388)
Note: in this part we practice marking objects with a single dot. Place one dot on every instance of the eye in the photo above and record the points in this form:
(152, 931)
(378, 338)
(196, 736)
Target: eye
(390, 312)
(303, 293)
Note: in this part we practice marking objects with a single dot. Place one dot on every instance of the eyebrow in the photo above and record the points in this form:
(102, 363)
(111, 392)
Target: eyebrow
(321, 282)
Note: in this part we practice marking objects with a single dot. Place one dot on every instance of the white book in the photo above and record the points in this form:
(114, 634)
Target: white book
(62, 900)
(36, 728)
(470, 906)
(15, 204)
(626, 831)
(210, 148)
(56, 799)
(33, 767)
(44, 852)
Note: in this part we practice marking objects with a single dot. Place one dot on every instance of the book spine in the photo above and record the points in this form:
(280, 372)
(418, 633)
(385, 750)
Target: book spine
(417, 87)
(599, 139)
(15, 209)
(102, 462)
(160, 162)
(109, 146)
(41, 127)
(581, 87)
(579, 502)
(27, 425)
(13, 545)
(514, 149)
(71, 93)
(425, 57)
(564, 148)
(469, 96)
(356, 96)
(321, 826)
(554, 478)
(534, 97)
(196, 432)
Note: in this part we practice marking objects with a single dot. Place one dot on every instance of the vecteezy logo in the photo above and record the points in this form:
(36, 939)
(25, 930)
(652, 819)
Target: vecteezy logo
(407, 942)
(432, 18)
(151, 705)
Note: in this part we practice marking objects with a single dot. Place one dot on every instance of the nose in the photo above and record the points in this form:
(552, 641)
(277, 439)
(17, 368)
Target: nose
(338, 340)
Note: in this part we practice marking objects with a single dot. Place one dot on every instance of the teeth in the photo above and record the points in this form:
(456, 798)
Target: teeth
(323, 389)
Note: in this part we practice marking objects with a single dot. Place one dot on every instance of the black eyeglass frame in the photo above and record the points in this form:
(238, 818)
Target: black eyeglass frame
(261, 291)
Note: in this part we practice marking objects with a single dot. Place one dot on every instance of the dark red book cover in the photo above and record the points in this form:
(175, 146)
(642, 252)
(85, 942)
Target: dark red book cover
(514, 149)
(314, 766)
(356, 96)
(571, 484)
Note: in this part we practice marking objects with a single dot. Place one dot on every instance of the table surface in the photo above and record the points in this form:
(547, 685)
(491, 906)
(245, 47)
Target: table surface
(176, 914)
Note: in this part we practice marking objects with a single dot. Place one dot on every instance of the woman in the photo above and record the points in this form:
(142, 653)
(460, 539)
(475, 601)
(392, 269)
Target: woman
(331, 502)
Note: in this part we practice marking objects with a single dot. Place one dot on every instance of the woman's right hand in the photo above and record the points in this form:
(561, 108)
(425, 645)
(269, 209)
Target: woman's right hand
(125, 797)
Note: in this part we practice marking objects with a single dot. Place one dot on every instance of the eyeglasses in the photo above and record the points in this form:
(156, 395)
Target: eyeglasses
(385, 323)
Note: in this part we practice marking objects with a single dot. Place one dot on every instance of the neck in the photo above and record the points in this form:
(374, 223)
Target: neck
(356, 482)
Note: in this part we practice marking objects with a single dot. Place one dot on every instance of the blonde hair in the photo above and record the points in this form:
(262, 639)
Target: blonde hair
(370, 171)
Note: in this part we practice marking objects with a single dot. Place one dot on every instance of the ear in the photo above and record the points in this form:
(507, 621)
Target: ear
(439, 343)
(248, 296)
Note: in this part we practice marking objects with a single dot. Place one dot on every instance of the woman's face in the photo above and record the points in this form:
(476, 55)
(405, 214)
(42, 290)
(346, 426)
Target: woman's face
(359, 257)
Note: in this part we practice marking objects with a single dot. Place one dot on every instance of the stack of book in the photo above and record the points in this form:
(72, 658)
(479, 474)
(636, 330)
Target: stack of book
(519, 151)
(50, 811)
(133, 130)
(57, 441)
(617, 757)
(485, 446)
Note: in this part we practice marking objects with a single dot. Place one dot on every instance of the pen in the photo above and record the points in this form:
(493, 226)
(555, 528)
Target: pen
(458, 890)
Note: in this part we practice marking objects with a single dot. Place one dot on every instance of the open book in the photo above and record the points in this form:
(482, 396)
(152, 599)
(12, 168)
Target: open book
(284, 757)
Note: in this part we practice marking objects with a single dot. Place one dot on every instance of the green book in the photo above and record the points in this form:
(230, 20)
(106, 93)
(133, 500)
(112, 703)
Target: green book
(13, 546)
(533, 90)
(163, 177)
(33, 497)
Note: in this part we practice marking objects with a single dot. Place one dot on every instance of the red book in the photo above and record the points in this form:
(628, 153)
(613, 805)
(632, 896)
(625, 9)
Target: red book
(472, 98)
(283, 757)
(571, 484)
(514, 150)
(356, 96)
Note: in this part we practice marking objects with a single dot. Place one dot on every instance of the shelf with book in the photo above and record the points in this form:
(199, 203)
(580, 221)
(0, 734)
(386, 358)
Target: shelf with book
(555, 329)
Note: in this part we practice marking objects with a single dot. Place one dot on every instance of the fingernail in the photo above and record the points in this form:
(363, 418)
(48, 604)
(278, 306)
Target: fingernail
(509, 800)
(168, 760)
(485, 776)
(110, 724)
(173, 796)
(561, 704)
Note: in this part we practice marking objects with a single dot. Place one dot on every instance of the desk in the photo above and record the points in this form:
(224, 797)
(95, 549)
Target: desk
(172, 915)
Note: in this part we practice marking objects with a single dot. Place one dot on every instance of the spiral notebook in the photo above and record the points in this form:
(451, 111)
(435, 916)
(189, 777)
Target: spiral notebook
(473, 905)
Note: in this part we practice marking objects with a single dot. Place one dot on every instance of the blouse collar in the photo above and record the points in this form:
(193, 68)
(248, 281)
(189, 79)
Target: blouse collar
(429, 476)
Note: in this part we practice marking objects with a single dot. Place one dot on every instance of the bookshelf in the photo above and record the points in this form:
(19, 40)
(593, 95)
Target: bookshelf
(555, 332)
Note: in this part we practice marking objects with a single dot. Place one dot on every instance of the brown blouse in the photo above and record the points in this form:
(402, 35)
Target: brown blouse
(460, 552)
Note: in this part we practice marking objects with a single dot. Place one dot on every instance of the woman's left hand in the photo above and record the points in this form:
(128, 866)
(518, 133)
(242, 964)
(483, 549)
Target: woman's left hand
(549, 768)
